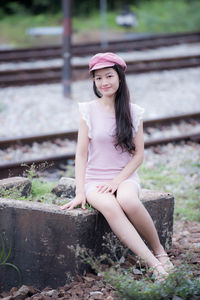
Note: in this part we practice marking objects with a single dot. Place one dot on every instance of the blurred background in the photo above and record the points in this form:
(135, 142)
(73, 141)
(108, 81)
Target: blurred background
(153, 16)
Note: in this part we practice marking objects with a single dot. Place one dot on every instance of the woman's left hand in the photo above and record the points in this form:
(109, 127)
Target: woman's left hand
(107, 187)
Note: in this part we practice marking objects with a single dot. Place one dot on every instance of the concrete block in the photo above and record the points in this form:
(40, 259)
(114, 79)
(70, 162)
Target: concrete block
(19, 185)
(41, 233)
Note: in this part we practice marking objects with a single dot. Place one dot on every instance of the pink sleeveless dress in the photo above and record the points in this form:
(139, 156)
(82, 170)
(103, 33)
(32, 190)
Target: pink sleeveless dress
(104, 160)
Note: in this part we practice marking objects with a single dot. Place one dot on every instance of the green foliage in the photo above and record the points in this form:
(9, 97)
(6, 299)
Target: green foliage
(4, 258)
(153, 17)
(14, 27)
(180, 283)
(167, 16)
(169, 179)
(41, 190)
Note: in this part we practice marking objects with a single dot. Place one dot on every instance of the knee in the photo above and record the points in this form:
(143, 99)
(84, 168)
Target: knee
(128, 202)
(109, 209)
(106, 204)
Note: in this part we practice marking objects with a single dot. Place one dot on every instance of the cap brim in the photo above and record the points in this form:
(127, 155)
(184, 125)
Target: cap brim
(102, 66)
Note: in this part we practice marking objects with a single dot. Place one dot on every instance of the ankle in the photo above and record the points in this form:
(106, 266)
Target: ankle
(158, 250)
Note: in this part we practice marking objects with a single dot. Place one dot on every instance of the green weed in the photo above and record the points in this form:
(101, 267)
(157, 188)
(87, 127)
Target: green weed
(180, 283)
(173, 180)
(4, 258)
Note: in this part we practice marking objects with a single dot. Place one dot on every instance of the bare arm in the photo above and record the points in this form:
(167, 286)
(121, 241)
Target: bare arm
(137, 159)
(80, 167)
(132, 165)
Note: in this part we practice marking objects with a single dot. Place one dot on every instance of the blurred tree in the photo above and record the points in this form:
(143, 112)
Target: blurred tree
(83, 7)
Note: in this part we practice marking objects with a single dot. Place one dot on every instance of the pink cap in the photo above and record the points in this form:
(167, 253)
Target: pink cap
(105, 60)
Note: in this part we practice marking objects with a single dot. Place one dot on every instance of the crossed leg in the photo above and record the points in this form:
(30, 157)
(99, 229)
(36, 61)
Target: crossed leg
(108, 205)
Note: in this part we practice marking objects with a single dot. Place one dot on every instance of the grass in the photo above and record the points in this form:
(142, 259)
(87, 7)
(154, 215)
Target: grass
(129, 286)
(180, 177)
(180, 284)
(5, 257)
(167, 15)
(170, 179)
(13, 27)
(153, 17)
(40, 192)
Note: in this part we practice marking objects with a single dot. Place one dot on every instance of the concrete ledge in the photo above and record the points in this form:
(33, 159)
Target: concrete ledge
(40, 235)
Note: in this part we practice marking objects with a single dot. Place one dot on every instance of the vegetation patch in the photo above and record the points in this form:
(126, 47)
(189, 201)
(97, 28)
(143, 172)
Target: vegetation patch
(180, 283)
(133, 280)
(179, 176)
(4, 257)
(155, 16)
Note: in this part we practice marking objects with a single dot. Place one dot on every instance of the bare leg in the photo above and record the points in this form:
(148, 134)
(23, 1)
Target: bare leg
(107, 204)
(127, 196)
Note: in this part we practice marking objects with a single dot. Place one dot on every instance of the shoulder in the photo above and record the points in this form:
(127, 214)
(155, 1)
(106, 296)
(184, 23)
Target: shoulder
(85, 109)
(137, 109)
(137, 113)
(87, 104)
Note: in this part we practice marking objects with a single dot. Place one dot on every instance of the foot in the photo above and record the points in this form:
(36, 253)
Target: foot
(159, 272)
(165, 261)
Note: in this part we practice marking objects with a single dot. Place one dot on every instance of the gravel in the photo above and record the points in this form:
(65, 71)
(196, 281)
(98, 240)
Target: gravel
(177, 50)
(37, 150)
(41, 109)
(62, 146)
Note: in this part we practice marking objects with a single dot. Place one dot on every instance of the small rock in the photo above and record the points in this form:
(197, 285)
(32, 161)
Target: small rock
(137, 272)
(65, 188)
(50, 293)
(37, 297)
(24, 292)
(177, 298)
(4, 294)
(13, 290)
(19, 185)
(96, 293)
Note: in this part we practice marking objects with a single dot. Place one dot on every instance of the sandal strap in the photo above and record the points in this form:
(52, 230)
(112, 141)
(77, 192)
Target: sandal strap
(157, 265)
(161, 255)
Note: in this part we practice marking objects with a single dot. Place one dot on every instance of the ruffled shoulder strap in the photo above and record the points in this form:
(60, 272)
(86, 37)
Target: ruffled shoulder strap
(137, 115)
(85, 114)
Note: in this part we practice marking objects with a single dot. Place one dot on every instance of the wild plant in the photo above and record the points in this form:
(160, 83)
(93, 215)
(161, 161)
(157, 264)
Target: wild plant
(4, 258)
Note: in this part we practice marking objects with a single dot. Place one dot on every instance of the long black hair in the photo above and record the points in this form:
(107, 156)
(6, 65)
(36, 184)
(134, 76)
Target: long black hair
(123, 133)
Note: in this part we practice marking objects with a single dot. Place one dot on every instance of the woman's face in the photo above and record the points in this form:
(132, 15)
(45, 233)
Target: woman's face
(107, 81)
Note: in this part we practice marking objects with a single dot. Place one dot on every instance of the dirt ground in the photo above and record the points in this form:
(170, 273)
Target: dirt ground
(186, 247)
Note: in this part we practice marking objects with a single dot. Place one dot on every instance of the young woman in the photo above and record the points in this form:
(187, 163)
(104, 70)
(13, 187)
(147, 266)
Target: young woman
(110, 149)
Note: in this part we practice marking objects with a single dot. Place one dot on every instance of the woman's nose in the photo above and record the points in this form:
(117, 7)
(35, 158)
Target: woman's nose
(104, 81)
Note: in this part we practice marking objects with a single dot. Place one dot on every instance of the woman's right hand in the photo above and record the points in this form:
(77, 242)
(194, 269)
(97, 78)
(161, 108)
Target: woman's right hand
(78, 200)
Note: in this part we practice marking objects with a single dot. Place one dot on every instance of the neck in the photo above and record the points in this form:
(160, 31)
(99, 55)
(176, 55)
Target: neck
(108, 103)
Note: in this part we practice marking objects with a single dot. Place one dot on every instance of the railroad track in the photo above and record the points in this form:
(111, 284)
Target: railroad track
(17, 168)
(138, 43)
(34, 76)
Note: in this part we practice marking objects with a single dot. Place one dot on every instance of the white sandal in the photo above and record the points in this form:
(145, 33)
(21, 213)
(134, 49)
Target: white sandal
(159, 277)
(167, 265)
